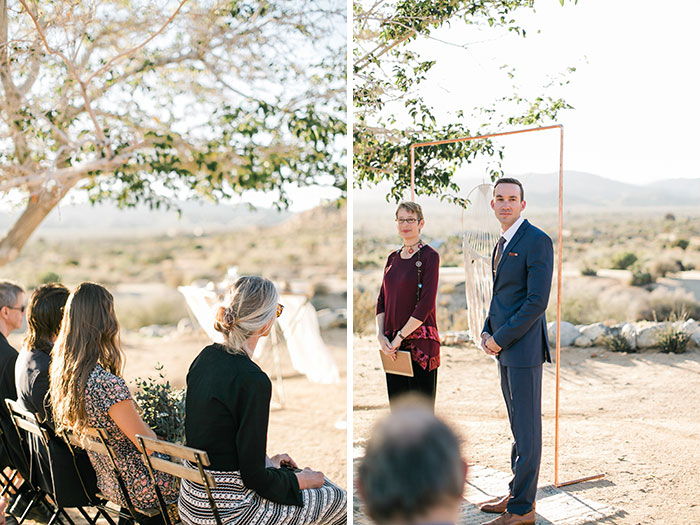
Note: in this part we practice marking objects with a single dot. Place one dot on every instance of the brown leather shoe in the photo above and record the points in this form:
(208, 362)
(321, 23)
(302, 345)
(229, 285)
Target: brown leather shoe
(514, 519)
(495, 505)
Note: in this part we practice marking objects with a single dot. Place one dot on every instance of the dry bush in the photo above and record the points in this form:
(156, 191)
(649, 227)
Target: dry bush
(363, 308)
(133, 313)
(664, 304)
(618, 343)
(623, 260)
(673, 340)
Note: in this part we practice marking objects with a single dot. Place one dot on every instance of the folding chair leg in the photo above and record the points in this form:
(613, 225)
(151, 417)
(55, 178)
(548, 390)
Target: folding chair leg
(26, 511)
(65, 514)
(105, 514)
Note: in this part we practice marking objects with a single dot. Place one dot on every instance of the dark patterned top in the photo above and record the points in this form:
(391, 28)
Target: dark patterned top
(103, 390)
(397, 300)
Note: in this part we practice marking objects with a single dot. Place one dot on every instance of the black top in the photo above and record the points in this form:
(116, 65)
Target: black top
(8, 356)
(226, 414)
(32, 383)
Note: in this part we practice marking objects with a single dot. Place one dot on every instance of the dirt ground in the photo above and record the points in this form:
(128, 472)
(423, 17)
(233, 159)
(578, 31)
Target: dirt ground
(633, 417)
(311, 432)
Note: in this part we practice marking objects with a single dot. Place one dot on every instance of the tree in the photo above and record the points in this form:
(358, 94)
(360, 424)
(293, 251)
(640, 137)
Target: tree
(137, 102)
(388, 70)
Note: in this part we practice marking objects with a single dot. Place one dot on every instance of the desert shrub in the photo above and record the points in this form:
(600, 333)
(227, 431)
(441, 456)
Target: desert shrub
(665, 304)
(589, 271)
(162, 406)
(641, 277)
(145, 311)
(623, 260)
(618, 343)
(673, 340)
(450, 320)
(681, 243)
(321, 288)
(363, 308)
(577, 307)
(49, 277)
(662, 267)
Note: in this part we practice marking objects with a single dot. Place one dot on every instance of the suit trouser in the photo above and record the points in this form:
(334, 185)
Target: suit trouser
(423, 382)
(522, 391)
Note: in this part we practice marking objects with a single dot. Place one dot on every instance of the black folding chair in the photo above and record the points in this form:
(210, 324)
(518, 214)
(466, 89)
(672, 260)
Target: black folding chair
(25, 422)
(183, 463)
(95, 441)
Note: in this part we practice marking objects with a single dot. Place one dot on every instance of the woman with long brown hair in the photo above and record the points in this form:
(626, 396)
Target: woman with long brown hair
(87, 391)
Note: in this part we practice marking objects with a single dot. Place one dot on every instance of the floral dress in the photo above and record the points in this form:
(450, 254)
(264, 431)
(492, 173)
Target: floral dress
(103, 390)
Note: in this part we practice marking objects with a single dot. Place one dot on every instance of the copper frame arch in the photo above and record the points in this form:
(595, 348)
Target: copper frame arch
(560, 127)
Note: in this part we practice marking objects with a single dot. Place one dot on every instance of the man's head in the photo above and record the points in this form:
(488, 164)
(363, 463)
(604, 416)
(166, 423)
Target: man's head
(508, 201)
(412, 470)
(11, 307)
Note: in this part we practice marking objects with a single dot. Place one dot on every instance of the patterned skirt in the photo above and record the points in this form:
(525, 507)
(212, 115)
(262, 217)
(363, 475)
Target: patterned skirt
(238, 504)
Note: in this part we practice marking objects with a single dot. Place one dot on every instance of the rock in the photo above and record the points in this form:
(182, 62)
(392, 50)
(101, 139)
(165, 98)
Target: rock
(648, 334)
(569, 333)
(185, 326)
(630, 333)
(595, 332)
(583, 341)
(454, 338)
(691, 326)
(695, 337)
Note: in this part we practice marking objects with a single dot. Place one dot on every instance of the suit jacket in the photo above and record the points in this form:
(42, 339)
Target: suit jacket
(521, 287)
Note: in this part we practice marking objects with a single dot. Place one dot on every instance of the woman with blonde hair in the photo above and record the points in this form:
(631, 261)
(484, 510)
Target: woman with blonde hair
(226, 414)
(87, 391)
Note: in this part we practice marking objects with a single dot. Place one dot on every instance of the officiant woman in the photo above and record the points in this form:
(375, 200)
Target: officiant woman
(405, 314)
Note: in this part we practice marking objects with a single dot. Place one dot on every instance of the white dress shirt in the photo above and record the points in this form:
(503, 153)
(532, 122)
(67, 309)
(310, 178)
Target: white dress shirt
(510, 232)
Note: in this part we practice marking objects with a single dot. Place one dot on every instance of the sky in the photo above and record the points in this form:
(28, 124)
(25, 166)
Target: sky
(634, 90)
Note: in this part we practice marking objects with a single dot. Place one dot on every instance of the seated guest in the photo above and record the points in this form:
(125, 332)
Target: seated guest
(44, 314)
(55, 470)
(11, 315)
(412, 472)
(87, 391)
(226, 414)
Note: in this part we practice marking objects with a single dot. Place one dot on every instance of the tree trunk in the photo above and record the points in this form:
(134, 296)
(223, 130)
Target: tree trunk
(38, 207)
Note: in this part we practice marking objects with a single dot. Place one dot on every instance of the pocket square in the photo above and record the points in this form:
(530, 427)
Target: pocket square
(512, 254)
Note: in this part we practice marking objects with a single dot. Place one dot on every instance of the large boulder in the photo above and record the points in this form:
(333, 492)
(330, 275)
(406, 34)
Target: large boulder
(569, 333)
(595, 332)
(648, 334)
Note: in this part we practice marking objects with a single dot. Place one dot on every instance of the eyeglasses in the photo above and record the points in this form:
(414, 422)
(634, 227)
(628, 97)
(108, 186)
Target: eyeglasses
(21, 308)
(412, 220)
(280, 309)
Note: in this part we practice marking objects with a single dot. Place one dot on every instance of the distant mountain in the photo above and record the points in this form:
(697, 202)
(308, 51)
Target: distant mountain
(107, 219)
(581, 190)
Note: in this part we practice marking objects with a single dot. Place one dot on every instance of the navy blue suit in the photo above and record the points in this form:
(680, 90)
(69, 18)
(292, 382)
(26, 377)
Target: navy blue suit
(516, 320)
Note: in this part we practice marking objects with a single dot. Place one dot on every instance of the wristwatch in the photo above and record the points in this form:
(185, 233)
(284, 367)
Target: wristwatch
(400, 335)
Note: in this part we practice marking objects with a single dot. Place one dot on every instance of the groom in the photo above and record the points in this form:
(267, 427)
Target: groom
(515, 332)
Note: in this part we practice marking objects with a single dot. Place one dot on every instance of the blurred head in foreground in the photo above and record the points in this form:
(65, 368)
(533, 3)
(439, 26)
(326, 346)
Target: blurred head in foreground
(412, 471)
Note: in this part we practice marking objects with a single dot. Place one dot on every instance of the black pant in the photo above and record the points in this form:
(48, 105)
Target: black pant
(423, 382)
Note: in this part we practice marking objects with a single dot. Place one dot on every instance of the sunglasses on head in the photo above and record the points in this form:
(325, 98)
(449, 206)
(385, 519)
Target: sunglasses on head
(280, 309)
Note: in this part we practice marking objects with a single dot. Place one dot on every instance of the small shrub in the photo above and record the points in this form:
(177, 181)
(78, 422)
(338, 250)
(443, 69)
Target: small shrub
(49, 277)
(617, 343)
(681, 243)
(673, 340)
(623, 260)
(589, 271)
(641, 277)
(663, 267)
(363, 308)
(162, 406)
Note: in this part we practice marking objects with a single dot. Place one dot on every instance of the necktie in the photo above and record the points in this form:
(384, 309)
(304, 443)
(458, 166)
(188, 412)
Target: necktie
(499, 253)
